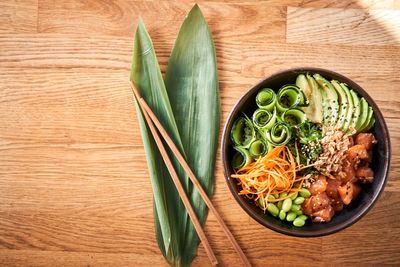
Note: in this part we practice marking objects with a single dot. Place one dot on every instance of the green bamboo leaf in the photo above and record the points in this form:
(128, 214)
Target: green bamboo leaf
(170, 216)
(192, 84)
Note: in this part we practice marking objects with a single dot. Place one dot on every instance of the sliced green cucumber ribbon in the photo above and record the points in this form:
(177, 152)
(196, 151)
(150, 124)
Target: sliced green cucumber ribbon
(241, 158)
(279, 134)
(259, 148)
(290, 96)
(293, 116)
(266, 99)
(264, 119)
(243, 132)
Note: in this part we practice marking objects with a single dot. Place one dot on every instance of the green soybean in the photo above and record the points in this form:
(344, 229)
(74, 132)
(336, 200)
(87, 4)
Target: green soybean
(271, 197)
(273, 209)
(303, 217)
(305, 193)
(291, 216)
(294, 196)
(282, 215)
(298, 222)
(276, 196)
(299, 212)
(280, 202)
(299, 200)
(295, 207)
(284, 194)
(287, 204)
(261, 202)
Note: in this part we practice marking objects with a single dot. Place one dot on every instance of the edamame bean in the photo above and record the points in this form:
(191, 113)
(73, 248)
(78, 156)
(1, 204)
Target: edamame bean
(303, 217)
(299, 200)
(305, 193)
(294, 196)
(287, 204)
(298, 222)
(299, 212)
(276, 196)
(261, 202)
(273, 209)
(294, 207)
(282, 215)
(291, 216)
(271, 197)
(284, 194)
(280, 202)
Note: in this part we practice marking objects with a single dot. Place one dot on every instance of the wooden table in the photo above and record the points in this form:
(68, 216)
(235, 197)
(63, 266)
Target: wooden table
(74, 185)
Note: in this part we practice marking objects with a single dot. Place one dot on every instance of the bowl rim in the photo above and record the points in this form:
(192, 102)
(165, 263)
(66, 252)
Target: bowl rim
(357, 216)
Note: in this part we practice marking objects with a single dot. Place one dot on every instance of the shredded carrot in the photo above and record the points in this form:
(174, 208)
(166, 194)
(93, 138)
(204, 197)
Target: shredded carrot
(270, 174)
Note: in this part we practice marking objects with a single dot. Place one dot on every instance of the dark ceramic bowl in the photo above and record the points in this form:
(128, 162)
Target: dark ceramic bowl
(351, 213)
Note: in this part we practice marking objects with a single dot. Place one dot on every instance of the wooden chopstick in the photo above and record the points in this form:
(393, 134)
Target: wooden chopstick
(179, 186)
(147, 110)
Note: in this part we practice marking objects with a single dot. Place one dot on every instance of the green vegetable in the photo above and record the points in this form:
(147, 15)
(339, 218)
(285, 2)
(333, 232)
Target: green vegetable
(299, 200)
(343, 104)
(283, 194)
(261, 202)
(295, 207)
(332, 97)
(293, 116)
(287, 204)
(349, 116)
(189, 92)
(298, 222)
(370, 117)
(357, 108)
(280, 203)
(370, 124)
(243, 133)
(290, 96)
(273, 209)
(304, 193)
(241, 158)
(282, 215)
(280, 134)
(263, 119)
(363, 114)
(299, 212)
(294, 196)
(309, 86)
(258, 148)
(303, 217)
(291, 216)
(266, 99)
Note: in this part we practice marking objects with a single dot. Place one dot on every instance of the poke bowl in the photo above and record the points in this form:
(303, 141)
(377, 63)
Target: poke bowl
(350, 118)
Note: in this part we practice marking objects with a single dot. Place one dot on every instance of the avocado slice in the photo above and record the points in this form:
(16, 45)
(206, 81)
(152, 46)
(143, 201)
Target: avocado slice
(370, 124)
(368, 120)
(313, 111)
(324, 106)
(363, 114)
(343, 104)
(349, 116)
(356, 113)
(332, 97)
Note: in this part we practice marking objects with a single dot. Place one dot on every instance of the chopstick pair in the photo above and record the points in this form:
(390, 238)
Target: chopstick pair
(154, 123)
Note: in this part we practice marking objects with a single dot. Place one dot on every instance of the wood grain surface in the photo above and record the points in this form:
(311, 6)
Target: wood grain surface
(74, 186)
